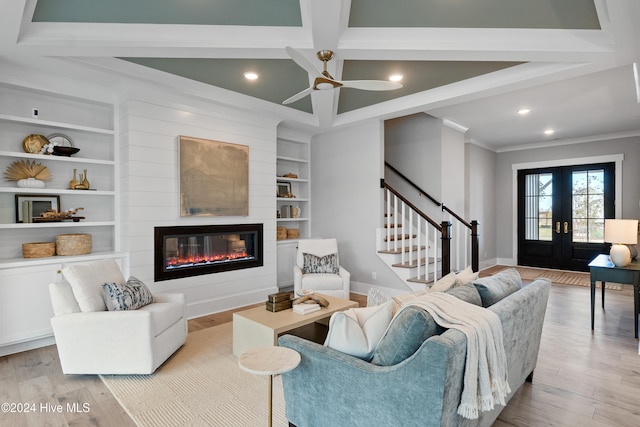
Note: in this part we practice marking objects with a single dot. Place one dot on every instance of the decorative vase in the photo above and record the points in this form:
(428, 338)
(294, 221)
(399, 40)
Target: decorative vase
(74, 181)
(30, 183)
(85, 182)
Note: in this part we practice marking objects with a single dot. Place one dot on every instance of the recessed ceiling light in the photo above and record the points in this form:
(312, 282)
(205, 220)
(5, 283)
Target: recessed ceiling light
(250, 75)
(549, 132)
(524, 111)
(395, 77)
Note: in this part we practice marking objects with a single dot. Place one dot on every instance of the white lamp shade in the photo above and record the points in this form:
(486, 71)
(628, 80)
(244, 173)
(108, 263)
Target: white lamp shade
(621, 231)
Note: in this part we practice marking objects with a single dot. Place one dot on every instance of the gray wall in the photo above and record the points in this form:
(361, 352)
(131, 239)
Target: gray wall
(506, 205)
(347, 199)
(480, 187)
(413, 145)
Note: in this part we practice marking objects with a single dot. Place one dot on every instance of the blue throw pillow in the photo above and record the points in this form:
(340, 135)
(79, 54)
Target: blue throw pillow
(412, 326)
(494, 288)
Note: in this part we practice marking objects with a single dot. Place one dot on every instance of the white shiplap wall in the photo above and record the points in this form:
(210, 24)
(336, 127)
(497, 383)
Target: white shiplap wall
(149, 135)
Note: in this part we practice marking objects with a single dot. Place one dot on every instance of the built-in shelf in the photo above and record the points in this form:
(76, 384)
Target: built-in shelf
(57, 259)
(41, 157)
(291, 159)
(91, 127)
(286, 179)
(291, 199)
(53, 124)
(84, 193)
(62, 224)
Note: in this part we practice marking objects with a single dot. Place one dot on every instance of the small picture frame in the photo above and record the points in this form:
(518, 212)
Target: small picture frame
(36, 204)
(284, 189)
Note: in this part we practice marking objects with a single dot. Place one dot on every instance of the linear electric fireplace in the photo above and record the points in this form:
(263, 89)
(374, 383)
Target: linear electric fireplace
(185, 251)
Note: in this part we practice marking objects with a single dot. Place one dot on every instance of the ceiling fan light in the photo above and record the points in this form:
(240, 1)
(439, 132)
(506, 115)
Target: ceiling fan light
(250, 75)
(395, 77)
(324, 86)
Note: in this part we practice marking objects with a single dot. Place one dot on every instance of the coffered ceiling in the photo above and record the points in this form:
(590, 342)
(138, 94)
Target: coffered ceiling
(473, 62)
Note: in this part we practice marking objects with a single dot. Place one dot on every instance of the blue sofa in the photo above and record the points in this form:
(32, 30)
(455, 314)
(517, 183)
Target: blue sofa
(330, 388)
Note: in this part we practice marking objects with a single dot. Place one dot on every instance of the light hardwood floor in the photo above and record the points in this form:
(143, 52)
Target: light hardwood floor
(582, 378)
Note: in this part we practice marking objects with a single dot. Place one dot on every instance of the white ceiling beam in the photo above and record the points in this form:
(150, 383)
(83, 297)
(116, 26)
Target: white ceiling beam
(229, 41)
(10, 22)
(475, 44)
(496, 83)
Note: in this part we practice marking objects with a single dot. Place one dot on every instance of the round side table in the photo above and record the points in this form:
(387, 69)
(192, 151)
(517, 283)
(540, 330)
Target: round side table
(269, 361)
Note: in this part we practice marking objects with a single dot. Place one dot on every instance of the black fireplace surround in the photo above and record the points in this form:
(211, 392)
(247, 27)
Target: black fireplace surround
(185, 251)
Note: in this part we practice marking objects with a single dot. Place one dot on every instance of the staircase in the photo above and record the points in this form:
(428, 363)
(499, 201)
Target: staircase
(419, 249)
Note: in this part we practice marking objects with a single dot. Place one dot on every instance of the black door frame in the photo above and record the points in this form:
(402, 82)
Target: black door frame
(617, 159)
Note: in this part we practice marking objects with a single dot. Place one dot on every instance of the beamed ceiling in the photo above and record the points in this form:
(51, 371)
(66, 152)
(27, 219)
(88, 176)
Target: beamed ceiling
(472, 62)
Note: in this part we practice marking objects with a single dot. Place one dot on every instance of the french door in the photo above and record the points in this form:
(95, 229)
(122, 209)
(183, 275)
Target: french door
(561, 212)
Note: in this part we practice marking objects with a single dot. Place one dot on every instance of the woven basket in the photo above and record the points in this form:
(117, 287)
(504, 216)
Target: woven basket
(293, 233)
(281, 233)
(73, 244)
(38, 249)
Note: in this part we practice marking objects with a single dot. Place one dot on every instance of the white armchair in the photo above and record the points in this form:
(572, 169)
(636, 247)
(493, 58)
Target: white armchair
(318, 268)
(96, 341)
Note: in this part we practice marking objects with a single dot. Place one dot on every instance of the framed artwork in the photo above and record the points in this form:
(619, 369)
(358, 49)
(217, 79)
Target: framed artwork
(29, 206)
(214, 178)
(284, 189)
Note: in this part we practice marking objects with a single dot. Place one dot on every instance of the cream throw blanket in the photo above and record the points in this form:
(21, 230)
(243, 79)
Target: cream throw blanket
(485, 376)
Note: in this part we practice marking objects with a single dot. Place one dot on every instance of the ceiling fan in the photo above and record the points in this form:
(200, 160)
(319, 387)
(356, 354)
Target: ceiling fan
(324, 81)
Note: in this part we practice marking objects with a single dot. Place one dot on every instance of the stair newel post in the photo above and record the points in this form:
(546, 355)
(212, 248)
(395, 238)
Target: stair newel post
(475, 246)
(446, 247)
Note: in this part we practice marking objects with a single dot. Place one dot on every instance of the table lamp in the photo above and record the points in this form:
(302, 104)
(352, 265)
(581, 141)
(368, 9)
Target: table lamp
(620, 232)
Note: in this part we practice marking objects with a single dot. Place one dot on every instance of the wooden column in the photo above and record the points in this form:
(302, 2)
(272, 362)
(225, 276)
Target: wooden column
(475, 246)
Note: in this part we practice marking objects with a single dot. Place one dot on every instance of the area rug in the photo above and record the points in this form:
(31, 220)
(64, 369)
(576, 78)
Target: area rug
(561, 277)
(200, 385)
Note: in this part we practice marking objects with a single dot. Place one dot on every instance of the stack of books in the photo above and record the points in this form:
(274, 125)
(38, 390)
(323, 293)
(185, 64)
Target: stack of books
(305, 308)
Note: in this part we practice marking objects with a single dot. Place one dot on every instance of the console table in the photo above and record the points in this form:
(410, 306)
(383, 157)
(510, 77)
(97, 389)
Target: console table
(603, 270)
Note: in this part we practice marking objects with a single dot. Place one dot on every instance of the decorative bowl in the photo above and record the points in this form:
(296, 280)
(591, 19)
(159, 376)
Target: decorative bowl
(61, 150)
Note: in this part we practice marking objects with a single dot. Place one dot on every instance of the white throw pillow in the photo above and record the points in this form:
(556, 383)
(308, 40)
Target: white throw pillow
(445, 283)
(466, 276)
(357, 331)
(86, 282)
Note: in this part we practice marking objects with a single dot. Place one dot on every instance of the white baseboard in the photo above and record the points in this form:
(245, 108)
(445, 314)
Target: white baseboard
(487, 263)
(363, 289)
(507, 261)
(26, 345)
(205, 308)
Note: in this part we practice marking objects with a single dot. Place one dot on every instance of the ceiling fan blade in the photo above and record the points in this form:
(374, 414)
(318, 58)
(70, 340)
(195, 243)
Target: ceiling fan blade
(371, 84)
(298, 96)
(303, 62)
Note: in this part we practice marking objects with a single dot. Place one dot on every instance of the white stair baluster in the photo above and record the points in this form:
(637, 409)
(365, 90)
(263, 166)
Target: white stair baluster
(388, 220)
(419, 242)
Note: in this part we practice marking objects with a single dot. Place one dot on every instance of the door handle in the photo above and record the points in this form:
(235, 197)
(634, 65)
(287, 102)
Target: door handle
(566, 227)
(558, 227)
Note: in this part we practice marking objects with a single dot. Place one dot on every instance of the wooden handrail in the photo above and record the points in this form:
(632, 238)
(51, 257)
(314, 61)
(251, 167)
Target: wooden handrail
(473, 226)
(411, 205)
(428, 196)
(413, 184)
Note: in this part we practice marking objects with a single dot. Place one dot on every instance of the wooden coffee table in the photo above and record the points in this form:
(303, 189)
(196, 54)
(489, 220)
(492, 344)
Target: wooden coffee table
(258, 327)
